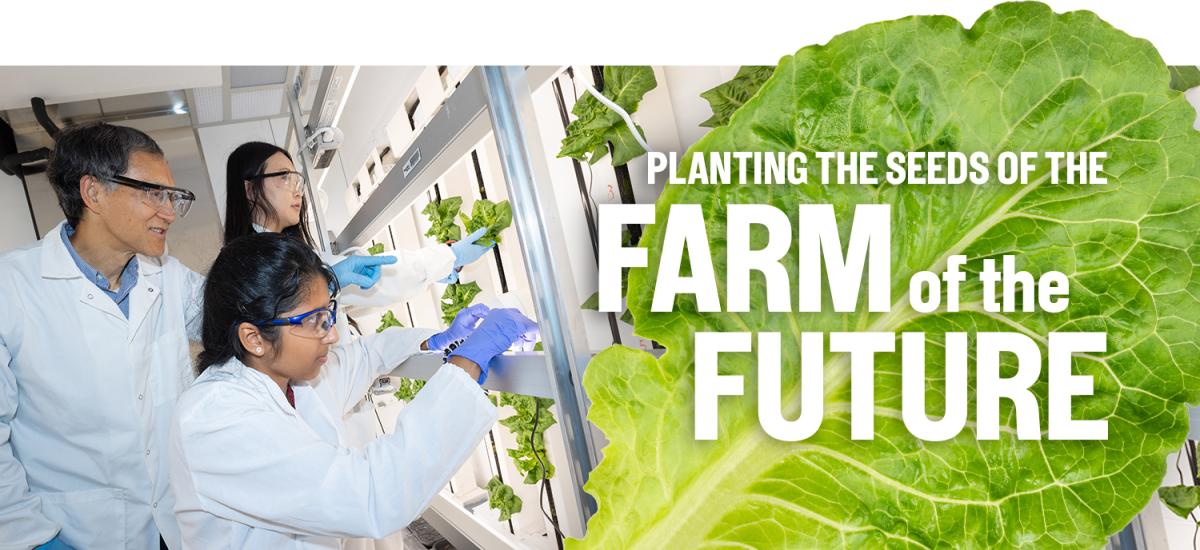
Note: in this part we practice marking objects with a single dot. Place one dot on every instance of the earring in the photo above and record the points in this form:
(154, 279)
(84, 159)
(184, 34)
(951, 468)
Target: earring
(258, 349)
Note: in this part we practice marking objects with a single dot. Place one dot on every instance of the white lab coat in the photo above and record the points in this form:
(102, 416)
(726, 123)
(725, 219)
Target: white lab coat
(86, 399)
(412, 273)
(249, 471)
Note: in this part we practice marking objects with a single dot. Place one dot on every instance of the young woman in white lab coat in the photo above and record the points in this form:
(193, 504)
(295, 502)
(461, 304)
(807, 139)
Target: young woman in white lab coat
(264, 192)
(255, 456)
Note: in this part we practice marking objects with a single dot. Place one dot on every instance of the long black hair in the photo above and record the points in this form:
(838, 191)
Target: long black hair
(248, 163)
(254, 278)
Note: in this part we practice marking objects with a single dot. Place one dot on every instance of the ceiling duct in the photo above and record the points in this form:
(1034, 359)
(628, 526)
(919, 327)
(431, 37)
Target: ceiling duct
(39, 111)
(13, 162)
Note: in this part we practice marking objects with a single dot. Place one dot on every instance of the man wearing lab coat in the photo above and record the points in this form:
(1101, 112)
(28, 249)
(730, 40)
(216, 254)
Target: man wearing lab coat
(94, 328)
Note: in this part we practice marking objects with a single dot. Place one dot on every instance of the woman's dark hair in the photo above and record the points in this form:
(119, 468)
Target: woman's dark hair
(96, 149)
(248, 163)
(254, 278)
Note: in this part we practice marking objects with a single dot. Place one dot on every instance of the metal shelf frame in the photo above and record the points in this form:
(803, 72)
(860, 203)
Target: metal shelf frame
(498, 101)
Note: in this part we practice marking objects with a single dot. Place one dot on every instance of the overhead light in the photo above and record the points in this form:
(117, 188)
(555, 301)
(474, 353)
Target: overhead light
(179, 109)
(345, 95)
(253, 77)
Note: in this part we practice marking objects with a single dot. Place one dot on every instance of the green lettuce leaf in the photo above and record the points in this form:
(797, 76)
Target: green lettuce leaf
(442, 217)
(1184, 78)
(592, 303)
(456, 297)
(1022, 78)
(387, 321)
(407, 388)
(495, 216)
(522, 426)
(1180, 499)
(596, 125)
(501, 497)
(728, 97)
(375, 249)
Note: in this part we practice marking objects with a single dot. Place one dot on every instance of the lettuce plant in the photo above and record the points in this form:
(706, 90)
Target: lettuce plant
(495, 216)
(501, 497)
(596, 126)
(1020, 79)
(1182, 500)
(442, 217)
(387, 321)
(728, 97)
(407, 388)
(456, 297)
(521, 424)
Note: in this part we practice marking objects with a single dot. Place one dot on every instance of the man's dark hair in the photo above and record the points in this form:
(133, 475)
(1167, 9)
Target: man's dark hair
(97, 149)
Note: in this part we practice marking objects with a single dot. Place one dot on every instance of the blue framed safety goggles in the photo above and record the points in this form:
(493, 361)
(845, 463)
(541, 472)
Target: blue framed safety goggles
(318, 321)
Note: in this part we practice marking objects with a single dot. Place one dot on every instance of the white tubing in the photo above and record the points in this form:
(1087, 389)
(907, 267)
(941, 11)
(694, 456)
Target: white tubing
(624, 115)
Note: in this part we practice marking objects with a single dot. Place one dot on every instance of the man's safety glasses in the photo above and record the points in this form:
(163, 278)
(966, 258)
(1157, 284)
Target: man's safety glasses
(313, 324)
(160, 196)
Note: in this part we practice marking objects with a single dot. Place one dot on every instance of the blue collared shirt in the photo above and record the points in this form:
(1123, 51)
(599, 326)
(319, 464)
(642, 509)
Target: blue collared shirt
(129, 276)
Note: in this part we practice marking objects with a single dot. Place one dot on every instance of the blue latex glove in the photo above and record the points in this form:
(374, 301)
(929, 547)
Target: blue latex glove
(466, 251)
(450, 279)
(54, 544)
(500, 330)
(363, 271)
(462, 327)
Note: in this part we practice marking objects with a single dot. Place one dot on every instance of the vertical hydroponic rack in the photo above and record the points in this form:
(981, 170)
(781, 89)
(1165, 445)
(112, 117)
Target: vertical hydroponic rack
(477, 133)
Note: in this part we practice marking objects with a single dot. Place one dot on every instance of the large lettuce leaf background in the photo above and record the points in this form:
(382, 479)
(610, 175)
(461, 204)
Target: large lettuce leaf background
(1022, 78)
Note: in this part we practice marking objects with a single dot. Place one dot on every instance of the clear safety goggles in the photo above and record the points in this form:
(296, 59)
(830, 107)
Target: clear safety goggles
(313, 324)
(291, 180)
(161, 197)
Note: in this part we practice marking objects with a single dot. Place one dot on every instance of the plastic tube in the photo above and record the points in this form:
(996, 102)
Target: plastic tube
(624, 115)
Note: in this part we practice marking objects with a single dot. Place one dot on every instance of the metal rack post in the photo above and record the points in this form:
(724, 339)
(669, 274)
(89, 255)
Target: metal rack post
(531, 194)
(305, 158)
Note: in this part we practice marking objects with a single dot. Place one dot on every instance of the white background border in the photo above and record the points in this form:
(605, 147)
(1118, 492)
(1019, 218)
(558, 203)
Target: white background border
(467, 32)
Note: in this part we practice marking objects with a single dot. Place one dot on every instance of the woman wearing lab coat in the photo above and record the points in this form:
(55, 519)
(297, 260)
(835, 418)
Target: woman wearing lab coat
(264, 192)
(255, 456)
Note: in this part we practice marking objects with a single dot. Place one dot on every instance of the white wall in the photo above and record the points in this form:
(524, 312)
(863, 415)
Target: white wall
(194, 239)
(16, 227)
(46, 211)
